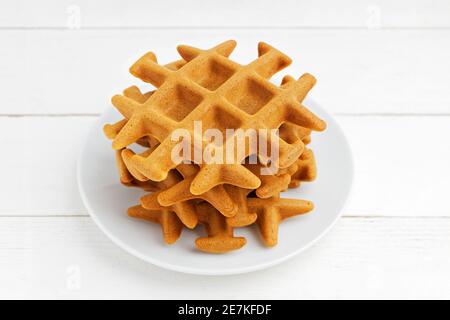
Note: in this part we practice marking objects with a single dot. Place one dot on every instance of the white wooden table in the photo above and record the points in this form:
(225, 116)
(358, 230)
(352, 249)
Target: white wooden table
(383, 70)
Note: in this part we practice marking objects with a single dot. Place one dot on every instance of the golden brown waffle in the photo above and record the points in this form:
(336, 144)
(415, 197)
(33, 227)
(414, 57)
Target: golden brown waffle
(304, 169)
(185, 210)
(222, 94)
(207, 86)
(217, 196)
(133, 92)
(243, 216)
(220, 237)
(271, 185)
(171, 226)
(274, 210)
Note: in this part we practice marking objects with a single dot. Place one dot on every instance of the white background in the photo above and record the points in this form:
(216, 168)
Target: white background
(383, 70)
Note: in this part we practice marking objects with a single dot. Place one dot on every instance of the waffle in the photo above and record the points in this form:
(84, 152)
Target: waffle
(217, 196)
(274, 210)
(207, 86)
(304, 169)
(222, 94)
(171, 226)
(220, 238)
(185, 210)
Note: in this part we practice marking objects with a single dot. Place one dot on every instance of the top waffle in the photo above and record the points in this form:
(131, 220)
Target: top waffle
(222, 94)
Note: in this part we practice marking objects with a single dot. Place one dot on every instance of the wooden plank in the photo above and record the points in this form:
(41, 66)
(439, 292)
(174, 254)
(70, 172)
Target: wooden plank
(401, 165)
(202, 13)
(38, 168)
(360, 258)
(358, 71)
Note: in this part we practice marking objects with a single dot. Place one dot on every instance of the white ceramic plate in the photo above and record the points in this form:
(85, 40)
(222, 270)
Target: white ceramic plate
(107, 202)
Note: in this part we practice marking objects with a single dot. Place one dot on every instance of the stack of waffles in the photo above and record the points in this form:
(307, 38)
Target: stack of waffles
(207, 88)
